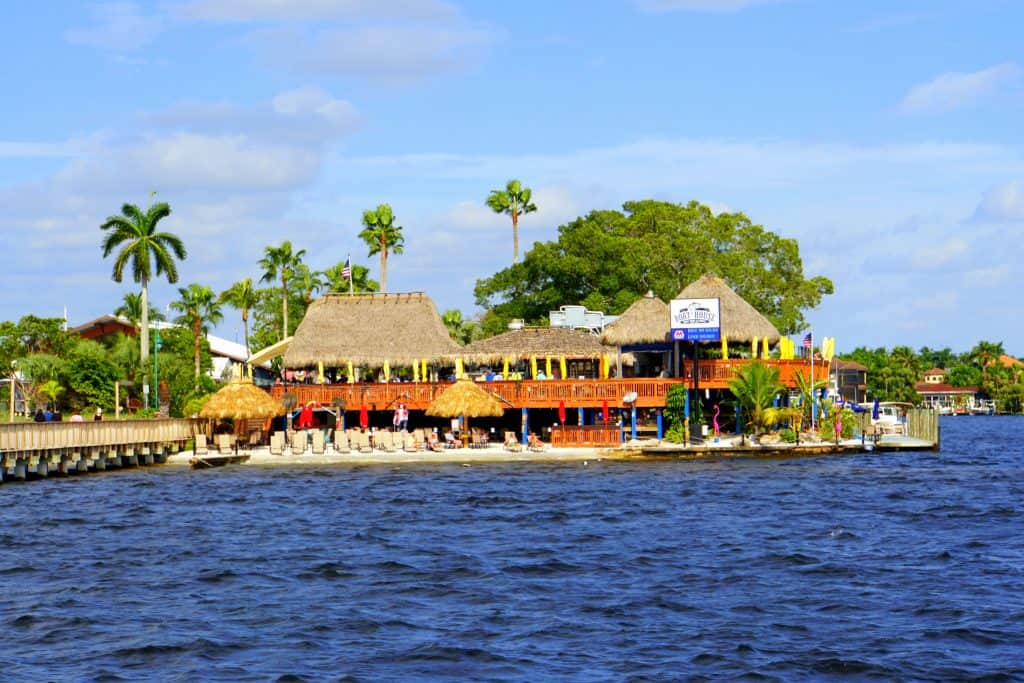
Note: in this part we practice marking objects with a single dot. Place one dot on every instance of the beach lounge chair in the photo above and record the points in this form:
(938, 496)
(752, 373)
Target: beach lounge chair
(319, 445)
(534, 443)
(255, 439)
(449, 441)
(409, 444)
(224, 444)
(432, 443)
(341, 442)
(512, 443)
(388, 441)
(299, 443)
(277, 443)
(361, 442)
(200, 441)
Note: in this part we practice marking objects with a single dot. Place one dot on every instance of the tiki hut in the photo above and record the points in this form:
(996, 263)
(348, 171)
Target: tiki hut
(740, 321)
(241, 400)
(641, 337)
(646, 321)
(370, 330)
(540, 342)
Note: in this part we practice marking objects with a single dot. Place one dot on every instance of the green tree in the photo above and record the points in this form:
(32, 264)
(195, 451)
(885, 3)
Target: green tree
(281, 261)
(309, 282)
(241, 296)
(514, 201)
(336, 283)
(131, 309)
(608, 259)
(199, 309)
(964, 375)
(91, 376)
(755, 386)
(382, 237)
(146, 251)
(51, 391)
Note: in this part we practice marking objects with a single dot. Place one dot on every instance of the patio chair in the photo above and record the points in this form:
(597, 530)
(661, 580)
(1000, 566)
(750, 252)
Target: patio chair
(299, 443)
(409, 444)
(387, 441)
(450, 441)
(432, 443)
(475, 439)
(319, 445)
(224, 444)
(361, 442)
(255, 439)
(534, 443)
(200, 441)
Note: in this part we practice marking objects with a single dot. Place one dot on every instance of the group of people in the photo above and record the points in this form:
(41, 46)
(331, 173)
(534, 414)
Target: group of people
(47, 415)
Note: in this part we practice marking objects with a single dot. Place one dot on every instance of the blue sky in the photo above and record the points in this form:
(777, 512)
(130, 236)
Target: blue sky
(882, 135)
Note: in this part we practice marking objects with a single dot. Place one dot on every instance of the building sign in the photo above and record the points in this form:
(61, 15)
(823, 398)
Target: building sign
(696, 319)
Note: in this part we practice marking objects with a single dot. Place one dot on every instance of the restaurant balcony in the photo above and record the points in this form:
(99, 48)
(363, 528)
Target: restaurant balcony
(574, 393)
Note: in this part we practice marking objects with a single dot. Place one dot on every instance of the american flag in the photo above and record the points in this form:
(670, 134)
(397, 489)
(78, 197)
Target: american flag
(346, 272)
(808, 341)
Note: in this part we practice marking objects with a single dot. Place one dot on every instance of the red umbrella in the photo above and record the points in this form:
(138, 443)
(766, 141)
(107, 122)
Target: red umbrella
(561, 412)
(364, 416)
(604, 410)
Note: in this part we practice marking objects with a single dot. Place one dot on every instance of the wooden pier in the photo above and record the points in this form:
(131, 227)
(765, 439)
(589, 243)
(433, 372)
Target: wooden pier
(31, 450)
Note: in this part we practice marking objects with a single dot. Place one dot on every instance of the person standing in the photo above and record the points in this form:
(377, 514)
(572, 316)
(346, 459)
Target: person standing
(401, 418)
(98, 417)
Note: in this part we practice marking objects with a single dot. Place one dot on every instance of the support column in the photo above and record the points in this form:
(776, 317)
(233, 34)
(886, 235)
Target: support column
(633, 420)
(660, 425)
(525, 425)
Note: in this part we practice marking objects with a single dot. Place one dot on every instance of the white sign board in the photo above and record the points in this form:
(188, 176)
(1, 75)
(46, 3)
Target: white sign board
(696, 319)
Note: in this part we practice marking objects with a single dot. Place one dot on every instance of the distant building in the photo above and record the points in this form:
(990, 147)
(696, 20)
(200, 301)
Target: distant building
(851, 380)
(937, 394)
(580, 318)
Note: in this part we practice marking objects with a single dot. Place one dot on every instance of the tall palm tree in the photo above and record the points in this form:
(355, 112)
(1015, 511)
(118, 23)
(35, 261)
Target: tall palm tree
(243, 297)
(337, 283)
(131, 309)
(149, 252)
(383, 237)
(199, 309)
(281, 261)
(514, 200)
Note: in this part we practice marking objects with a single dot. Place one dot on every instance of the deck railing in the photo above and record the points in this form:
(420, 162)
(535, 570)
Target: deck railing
(572, 393)
(590, 436)
(41, 436)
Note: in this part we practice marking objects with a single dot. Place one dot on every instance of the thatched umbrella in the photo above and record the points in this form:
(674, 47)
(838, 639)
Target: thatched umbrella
(466, 399)
(241, 400)
(740, 320)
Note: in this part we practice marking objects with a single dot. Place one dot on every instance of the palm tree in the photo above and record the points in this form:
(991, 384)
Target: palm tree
(383, 237)
(131, 309)
(243, 297)
(515, 201)
(309, 282)
(337, 283)
(199, 309)
(51, 391)
(755, 386)
(284, 262)
(144, 248)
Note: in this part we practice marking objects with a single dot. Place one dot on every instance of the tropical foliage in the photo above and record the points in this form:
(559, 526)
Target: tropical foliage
(606, 260)
(199, 310)
(756, 387)
(281, 261)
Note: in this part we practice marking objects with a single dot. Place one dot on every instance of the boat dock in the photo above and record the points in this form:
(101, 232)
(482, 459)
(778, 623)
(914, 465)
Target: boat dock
(31, 450)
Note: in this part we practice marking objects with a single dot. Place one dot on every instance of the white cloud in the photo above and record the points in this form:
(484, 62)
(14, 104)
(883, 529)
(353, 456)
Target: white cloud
(116, 26)
(700, 5)
(391, 53)
(939, 255)
(313, 10)
(984, 278)
(1004, 203)
(953, 90)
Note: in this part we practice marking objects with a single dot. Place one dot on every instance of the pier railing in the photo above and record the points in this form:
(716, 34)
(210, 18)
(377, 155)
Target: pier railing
(42, 436)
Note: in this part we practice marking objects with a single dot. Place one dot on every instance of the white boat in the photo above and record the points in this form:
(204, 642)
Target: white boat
(890, 417)
(983, 407)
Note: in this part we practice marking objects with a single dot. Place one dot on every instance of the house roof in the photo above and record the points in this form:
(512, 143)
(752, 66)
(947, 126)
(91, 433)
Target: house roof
(936, 371)
(544, 342)
(369, 329)
(740, 320)
(848, 365)
(104, 325)
(646, 321)
(1010, 361)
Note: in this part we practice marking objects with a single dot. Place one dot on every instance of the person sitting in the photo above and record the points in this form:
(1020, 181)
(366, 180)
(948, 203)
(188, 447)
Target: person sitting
(534, 443)
(541, 375)
(432, 442)
(511, 443)
(40, 417)
(450, 441)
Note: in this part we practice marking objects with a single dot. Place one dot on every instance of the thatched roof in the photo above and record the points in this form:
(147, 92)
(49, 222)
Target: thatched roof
(646, 321)
(368, 329)
(740, 320)
(466, 398)
(241, 400)
(543, 342)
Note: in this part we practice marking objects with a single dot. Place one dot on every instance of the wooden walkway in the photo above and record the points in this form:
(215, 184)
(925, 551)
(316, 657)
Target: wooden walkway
(573, 393)
(39, 449)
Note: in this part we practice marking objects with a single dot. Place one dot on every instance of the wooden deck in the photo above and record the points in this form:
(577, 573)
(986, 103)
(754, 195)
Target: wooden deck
(578, 393)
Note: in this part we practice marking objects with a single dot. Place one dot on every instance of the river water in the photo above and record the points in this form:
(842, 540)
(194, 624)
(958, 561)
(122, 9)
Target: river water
(882, 566)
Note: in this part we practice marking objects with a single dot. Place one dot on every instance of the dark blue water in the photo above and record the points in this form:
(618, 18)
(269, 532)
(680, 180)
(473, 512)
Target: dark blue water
(885, 566)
